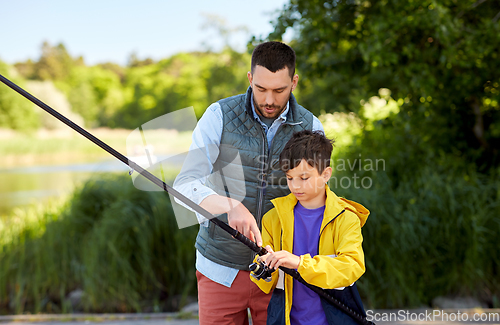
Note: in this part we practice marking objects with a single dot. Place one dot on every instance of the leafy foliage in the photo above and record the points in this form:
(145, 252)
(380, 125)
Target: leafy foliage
(15, 112)
(435, 130)
(439, 58)
(183, 80)
(433, 224)
(434, 217)
(115, 96)
(429, 234)
(95, 93)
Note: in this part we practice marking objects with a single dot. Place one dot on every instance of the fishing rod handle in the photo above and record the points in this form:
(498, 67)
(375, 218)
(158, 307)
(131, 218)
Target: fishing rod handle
(252, 245)
(239, 236)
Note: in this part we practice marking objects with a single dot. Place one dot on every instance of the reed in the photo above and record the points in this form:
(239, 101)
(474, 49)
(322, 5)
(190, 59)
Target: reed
(121, 246)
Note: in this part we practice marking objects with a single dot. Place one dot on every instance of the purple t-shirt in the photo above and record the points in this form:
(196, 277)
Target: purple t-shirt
(306, 304)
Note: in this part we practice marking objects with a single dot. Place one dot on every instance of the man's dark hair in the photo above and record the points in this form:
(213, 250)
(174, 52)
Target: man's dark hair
(274, 56)
(312, 146)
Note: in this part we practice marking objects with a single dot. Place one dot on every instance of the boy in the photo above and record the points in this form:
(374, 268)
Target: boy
(317, 233)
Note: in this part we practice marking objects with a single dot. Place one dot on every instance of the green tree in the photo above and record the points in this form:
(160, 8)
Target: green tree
(115, 96)
(96, 93)
(55, 63)
(26, 69)
(182, 80)
(15, 111)
(433, 66)
(439, 58)
(226, 74)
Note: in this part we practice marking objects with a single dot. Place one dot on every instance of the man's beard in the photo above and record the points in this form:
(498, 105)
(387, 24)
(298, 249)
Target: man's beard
(262, 112)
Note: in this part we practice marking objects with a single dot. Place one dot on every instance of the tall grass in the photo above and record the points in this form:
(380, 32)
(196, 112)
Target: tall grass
(121, 246)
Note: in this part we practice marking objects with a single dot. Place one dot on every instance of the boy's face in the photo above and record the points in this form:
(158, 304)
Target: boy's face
(308, 185)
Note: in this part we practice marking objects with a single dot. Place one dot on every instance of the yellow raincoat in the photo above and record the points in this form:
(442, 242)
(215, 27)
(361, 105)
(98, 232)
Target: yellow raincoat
(341, 259)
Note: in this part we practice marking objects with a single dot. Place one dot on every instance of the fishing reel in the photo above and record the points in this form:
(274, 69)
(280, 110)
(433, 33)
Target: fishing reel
(259, 270)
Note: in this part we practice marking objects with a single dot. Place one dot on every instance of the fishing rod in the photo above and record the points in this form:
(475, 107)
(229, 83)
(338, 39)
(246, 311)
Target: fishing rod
(360, 319)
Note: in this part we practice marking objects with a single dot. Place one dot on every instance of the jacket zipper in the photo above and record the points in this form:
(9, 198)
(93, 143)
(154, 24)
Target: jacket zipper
(321, 232)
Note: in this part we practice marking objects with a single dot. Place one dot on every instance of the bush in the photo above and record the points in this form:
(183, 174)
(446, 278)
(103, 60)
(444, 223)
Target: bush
(434, 218)
(16, 112)
(433, 234)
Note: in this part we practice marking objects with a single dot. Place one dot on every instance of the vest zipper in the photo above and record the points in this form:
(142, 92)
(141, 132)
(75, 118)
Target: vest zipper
(260, 197)
(264, 175)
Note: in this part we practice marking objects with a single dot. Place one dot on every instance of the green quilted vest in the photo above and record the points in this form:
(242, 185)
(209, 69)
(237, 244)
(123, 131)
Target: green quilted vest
(263, 180)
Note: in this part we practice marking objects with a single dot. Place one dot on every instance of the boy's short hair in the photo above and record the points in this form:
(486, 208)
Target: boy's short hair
(312, 146)
(274, 56)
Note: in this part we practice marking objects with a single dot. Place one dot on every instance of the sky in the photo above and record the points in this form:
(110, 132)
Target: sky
(111, 30)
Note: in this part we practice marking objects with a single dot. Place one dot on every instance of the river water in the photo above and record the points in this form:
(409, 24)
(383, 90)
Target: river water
(24, 186)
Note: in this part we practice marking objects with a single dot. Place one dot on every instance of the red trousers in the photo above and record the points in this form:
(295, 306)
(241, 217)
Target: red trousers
(221, 305)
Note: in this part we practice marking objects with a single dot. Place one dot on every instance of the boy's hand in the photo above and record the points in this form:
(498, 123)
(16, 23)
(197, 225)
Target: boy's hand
(281, 258)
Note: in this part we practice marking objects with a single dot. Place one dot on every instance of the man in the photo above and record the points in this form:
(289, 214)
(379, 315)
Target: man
(257, 125)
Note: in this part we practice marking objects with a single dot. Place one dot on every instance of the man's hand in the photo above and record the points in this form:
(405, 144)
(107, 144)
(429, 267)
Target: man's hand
(281, 258)
(242, 220)
(238, 215)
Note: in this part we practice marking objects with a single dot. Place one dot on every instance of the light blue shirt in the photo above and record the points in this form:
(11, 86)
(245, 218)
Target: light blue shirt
(207, 134)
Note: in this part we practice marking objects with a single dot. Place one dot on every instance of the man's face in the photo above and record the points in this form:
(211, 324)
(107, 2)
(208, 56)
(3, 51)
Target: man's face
(271, 90)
